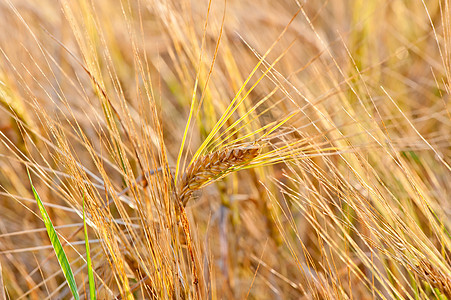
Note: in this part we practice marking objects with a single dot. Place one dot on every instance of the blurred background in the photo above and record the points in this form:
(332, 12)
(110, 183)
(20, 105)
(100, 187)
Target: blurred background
(95, 94)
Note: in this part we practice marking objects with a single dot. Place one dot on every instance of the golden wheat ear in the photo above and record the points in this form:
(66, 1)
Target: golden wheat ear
(431, 274)
(208, 168)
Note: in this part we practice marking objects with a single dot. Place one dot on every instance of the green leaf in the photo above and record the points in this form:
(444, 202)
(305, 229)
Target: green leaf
(62, 259)
(92, 287)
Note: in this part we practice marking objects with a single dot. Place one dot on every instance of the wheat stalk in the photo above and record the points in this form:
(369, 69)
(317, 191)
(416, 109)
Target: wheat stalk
(210, 167)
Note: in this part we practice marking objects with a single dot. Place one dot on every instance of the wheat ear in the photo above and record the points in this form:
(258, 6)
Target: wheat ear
(434, 276)
(208, 168)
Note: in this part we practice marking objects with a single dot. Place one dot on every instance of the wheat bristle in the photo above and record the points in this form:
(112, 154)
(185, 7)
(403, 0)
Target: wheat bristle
(211, 166)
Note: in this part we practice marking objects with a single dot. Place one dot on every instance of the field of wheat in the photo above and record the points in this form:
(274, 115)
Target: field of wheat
(228, 149)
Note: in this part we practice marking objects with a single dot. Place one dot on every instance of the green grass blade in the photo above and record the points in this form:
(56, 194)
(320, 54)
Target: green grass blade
(62, 259)
(92, 287)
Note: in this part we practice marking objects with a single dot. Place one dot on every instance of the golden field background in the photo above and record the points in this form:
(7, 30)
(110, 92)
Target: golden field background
(110, 102)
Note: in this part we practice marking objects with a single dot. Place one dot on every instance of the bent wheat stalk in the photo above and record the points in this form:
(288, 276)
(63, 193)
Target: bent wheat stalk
(208, 168)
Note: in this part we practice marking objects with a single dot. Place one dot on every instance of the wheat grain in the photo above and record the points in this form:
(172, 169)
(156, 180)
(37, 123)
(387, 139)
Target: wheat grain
(210, 167)
(434, 276)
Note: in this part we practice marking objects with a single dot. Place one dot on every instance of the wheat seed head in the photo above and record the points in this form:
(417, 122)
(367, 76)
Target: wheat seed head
(210, 167)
